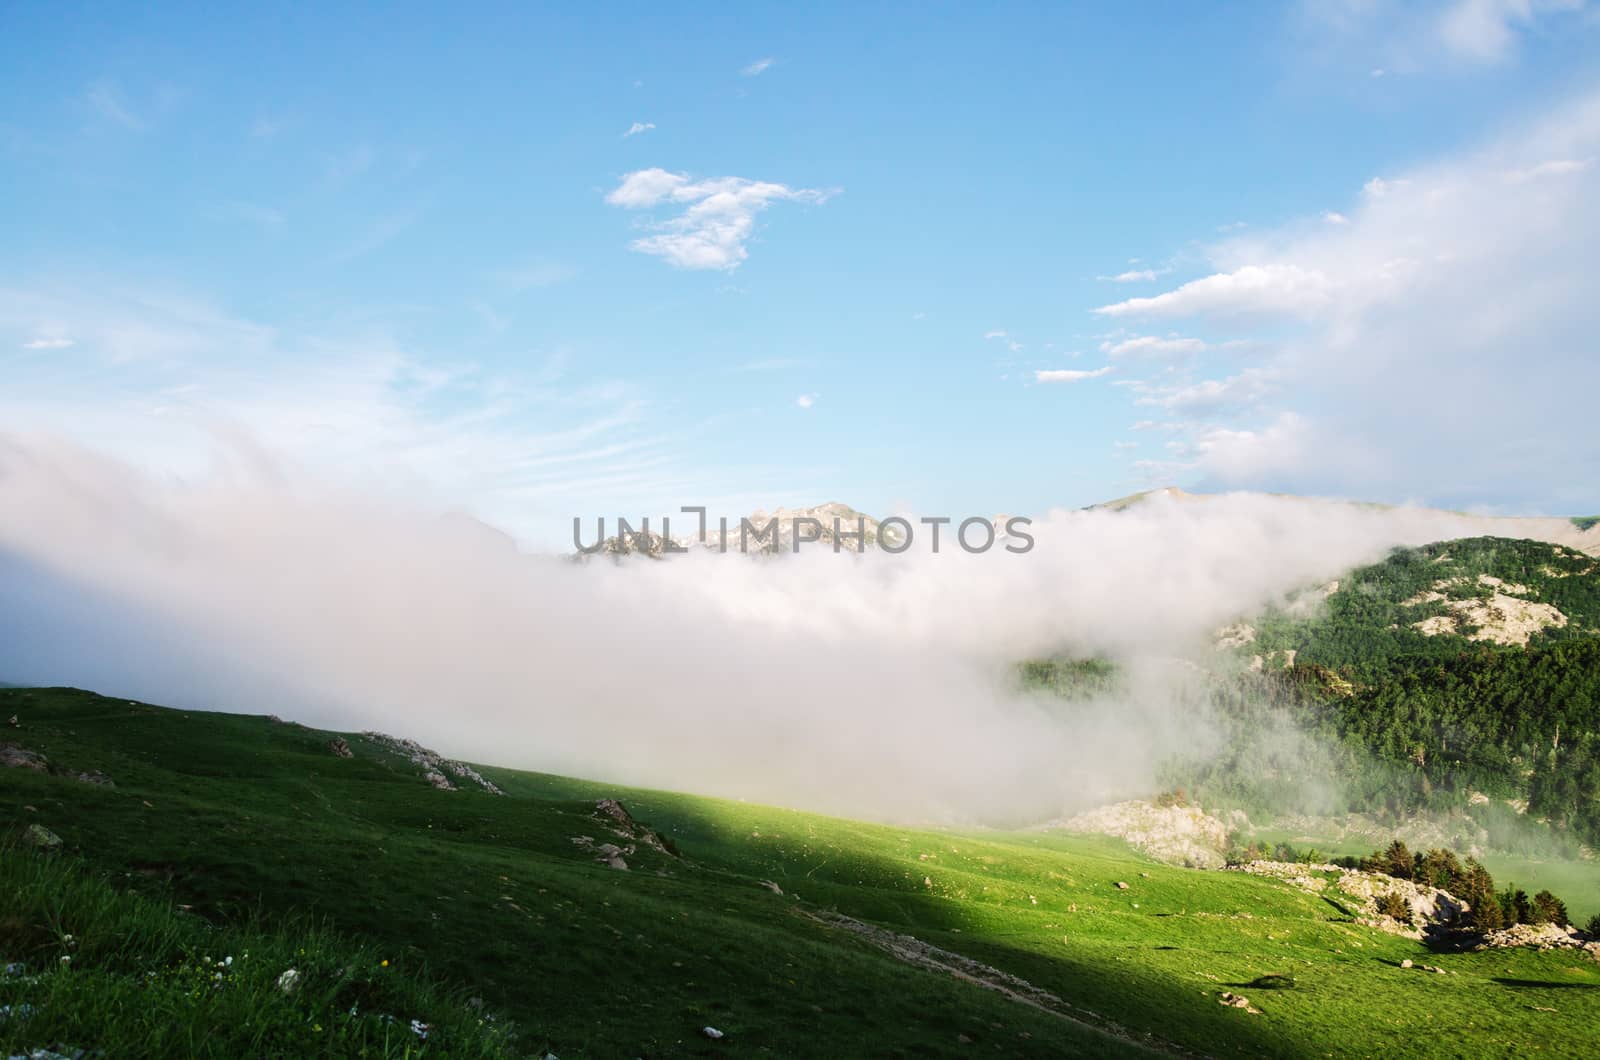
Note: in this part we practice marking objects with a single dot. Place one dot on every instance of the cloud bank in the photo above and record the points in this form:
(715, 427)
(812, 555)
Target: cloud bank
(871, 685)
(1426, 346)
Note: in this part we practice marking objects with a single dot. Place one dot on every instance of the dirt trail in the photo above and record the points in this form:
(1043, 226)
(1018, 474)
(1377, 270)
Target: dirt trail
(931, 958)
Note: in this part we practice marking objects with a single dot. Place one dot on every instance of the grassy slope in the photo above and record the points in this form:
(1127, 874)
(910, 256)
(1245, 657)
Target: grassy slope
(99, 966)
(235, 815)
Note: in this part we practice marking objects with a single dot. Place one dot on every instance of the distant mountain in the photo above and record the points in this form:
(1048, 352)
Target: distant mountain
(770, 533)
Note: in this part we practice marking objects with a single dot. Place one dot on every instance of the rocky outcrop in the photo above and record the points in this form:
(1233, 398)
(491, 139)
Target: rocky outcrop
(1179, 835)
(14, 757)
(1540, 937)
(1431, 909)
(622, 824)
(435, 766)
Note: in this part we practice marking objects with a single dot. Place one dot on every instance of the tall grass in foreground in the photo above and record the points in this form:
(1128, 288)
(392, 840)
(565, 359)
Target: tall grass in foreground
(88, 968)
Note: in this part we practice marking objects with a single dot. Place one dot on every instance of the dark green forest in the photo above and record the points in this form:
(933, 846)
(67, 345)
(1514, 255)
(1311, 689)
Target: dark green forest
(1373, 715)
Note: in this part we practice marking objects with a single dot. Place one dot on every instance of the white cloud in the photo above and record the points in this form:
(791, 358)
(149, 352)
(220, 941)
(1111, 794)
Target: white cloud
(1136, 276)
(1069, 375)
(1212, 396)
(1272, 288)
(56, 343)
(1486, 30)
(1152, 346)
(1556, 167)
(718, 218)
(638, 127)
(1451, 288)
(995, 334)
(1334, 217)
(1429, 35)
(806, 401)
(756, 68)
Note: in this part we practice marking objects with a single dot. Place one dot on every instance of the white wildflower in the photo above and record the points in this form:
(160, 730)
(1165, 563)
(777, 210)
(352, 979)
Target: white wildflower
(420, 1029)
(288, 981)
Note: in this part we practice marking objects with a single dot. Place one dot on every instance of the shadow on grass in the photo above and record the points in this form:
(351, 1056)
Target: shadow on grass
(1544, 984)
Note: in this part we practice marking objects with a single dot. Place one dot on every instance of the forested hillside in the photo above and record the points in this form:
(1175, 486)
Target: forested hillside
(1463, 673)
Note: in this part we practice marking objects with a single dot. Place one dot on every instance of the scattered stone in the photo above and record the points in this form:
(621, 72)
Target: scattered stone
(20, 758)
(14, 723)
(39, 836)
(1232, 1000)
(341, 748)
(608, 854)
(276, 720)
(1122, 885)
(94, 776)
(712, 1033)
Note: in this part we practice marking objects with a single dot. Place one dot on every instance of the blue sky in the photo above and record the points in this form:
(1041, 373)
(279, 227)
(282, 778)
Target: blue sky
(873, 254)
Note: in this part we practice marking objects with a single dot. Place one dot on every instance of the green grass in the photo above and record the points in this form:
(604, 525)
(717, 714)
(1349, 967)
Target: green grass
(87, 964)
(253, 823)
(1585, 522)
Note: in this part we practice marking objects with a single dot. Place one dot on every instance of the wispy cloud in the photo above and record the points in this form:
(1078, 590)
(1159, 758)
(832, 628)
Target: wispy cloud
(1273, 288)
(1152, 346)
(756, 68)
(55, 343)
(638, 127)
(717, 220)
(806, 401)
(535, 274)
(267, 128)
(349, 164)
(378, 234)
(1069, 375)
(1429, 35)
(1135, 276)
(105, 98)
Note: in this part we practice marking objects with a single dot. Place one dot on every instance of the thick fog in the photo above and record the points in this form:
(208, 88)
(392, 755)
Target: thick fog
(876, 685)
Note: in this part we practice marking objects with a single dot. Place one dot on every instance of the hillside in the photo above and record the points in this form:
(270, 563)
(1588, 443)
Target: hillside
(789, 933)
(1462, 676)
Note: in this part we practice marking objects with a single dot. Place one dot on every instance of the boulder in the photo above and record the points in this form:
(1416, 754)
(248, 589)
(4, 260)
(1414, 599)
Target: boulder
(39, 836)
(17, 757)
